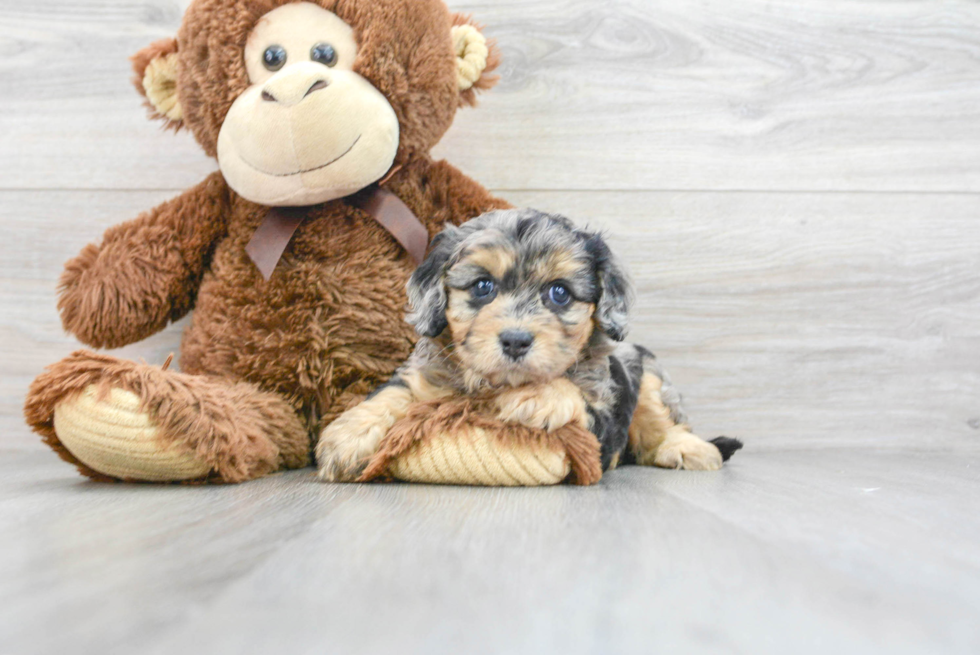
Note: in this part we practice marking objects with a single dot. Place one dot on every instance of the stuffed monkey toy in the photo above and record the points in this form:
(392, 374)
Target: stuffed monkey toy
(294, 257)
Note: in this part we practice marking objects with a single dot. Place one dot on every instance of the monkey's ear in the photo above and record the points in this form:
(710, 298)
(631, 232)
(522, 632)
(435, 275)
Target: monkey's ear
(155, 68)
(615, 290)
(476, 59)
(426, 289)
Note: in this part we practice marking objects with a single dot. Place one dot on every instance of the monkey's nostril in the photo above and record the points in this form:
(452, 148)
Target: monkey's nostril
(317, 86)
(516, 343)
(268, 97)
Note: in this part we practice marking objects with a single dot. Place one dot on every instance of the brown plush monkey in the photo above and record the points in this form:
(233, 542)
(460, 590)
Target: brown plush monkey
(309, 107)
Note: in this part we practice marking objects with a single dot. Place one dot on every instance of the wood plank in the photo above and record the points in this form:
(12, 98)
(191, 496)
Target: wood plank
(791, 320)
(780, 552)
(628, 94)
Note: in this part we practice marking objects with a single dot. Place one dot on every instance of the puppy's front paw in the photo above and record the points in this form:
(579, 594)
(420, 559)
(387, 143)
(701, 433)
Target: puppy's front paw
(347, 444)
(683, 450)
(543, 406)
(336, 462)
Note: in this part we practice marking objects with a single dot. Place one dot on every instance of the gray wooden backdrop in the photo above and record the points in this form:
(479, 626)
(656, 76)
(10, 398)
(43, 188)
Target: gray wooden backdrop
(795, 185)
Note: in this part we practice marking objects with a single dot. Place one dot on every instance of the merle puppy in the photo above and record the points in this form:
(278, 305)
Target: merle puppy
(524, 308)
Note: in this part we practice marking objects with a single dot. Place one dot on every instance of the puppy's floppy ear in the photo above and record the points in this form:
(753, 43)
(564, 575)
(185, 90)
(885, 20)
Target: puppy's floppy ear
(155, 68)
(615, 290)
(476, 58)
(426, 291)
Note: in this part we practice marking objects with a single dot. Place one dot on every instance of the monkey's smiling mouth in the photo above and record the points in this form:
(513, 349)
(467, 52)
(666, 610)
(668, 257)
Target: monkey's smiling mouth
(307, 170)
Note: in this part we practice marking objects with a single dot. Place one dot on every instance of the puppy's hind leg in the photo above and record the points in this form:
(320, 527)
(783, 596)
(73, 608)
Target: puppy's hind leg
(659, 435)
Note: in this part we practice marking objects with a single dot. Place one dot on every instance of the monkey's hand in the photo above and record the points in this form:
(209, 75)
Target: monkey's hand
(146, 272)
(547, 406)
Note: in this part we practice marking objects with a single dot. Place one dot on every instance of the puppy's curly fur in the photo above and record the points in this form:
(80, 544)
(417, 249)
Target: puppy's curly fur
(528, 312)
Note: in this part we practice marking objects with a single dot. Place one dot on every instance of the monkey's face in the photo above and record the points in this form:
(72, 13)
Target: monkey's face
(305, 102)
(518, 316)
(309, 129)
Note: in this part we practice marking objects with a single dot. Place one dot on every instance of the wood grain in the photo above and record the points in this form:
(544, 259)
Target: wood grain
(791, 320)
(628, 94)
(828, 551)
(795, 185)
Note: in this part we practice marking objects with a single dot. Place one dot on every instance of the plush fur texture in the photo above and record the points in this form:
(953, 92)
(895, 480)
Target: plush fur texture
(328, 326)
(564, 295)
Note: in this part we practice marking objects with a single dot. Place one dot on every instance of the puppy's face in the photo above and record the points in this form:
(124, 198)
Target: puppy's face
(517, 316)
(521, 294)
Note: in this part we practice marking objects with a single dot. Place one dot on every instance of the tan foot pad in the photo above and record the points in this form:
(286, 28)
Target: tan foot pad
(447, 442)
(113, 437)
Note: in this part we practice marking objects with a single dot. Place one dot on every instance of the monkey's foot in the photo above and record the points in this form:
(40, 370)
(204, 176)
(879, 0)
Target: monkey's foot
(113, 436)
(118, 420)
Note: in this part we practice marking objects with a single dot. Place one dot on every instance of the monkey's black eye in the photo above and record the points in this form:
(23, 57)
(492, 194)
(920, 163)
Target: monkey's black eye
(482, 288)
(274, 57)
(323, 53)
(559, 294)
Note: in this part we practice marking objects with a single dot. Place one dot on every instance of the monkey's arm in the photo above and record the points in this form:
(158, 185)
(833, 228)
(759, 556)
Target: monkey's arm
(458, 198)
(146, 272)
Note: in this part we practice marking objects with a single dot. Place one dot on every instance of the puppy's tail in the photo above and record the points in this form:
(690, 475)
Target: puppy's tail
(727, 446)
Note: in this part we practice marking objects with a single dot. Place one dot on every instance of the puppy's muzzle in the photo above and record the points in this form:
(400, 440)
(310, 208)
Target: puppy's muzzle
(516, 343)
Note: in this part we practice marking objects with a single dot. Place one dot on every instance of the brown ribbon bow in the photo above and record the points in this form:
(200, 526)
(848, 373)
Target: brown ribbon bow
(278, 227)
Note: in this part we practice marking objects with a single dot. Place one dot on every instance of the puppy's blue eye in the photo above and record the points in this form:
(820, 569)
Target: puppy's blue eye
(559, 295)
(483, 288)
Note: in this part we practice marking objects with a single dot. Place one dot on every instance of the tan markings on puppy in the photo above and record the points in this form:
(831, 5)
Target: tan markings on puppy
(557, 265)
(460, 314)
(651, 420)
(495, 260)
(478, 345)
(657, 441)
(424, 390)
(545, 406)
(348, 443)
(578, 326)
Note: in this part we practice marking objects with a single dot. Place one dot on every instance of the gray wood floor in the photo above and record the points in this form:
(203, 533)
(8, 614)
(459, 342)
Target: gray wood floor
(822, 551)
(796, 188)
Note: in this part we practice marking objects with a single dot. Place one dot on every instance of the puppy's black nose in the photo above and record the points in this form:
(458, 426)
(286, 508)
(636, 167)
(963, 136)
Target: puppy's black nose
(516, 343)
